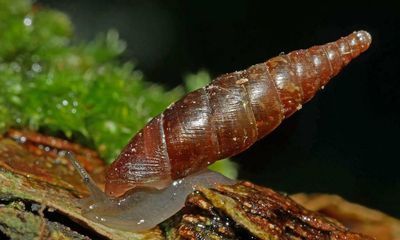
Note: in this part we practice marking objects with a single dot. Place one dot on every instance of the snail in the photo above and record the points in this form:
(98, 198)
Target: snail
(163, 162)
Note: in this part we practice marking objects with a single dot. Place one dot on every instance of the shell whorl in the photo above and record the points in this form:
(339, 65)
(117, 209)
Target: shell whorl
(227, 116)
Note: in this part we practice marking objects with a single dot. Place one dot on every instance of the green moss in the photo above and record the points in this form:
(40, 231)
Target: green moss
(79, 90)
(18, 224)
(197, 80)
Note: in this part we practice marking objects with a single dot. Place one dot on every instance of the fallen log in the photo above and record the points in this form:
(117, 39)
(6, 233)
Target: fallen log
(39, 198)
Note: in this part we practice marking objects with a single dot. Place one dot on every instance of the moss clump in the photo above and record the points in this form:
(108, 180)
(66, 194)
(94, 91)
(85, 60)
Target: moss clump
(79, 90)
(52, 83)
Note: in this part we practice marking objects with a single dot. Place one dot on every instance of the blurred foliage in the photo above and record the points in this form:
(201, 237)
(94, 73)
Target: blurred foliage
(197, 80)
(78, 90)
(52, 83)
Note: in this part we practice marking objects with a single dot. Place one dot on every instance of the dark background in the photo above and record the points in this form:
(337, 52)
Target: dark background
(345, 141)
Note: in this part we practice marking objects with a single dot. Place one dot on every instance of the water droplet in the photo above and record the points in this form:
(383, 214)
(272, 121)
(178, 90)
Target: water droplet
(201, 225)
(27, 21)
(36, 67)
(21, 139)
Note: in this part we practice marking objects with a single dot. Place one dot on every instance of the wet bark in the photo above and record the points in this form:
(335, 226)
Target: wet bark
(39, 194)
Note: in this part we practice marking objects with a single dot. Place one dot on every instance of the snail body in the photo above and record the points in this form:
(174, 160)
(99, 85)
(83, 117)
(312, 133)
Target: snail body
(217, 121)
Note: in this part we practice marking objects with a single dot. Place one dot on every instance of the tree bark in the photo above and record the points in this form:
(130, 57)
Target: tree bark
(39, 194)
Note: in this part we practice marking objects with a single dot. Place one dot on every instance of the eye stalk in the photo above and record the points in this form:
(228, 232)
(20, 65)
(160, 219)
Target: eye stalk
(87, 180)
